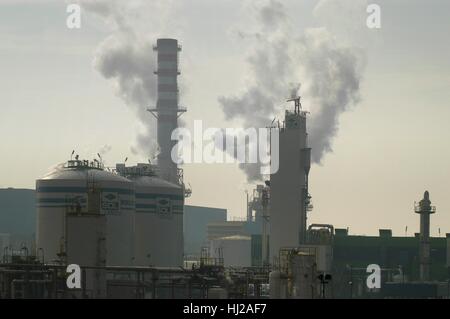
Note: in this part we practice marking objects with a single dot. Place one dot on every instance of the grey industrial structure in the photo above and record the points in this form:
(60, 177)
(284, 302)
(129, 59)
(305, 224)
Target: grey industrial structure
(289, 197)
(167, 109)
(133, 236)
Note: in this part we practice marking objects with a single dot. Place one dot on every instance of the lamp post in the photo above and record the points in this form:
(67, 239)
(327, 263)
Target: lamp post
(324, 279)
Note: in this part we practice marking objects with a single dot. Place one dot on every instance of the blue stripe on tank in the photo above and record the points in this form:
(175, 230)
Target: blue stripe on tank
(59, 200)
(154, 196)
(83, 206)
(72, 200)
(66, 189)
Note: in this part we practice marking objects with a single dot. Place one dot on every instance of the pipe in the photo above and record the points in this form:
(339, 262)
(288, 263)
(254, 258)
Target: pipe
(331, 227)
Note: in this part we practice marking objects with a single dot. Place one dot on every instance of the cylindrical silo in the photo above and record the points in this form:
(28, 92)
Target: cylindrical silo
(84, 188)
(236, 251)
(158, 230)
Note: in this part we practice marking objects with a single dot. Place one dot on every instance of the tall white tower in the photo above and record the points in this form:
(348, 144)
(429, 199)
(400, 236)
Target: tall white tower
(289, 197)
(167, 110)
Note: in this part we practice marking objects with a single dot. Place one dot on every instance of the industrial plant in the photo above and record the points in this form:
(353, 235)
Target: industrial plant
(132, 235)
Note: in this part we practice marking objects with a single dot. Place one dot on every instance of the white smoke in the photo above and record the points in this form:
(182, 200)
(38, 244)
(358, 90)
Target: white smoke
(127, 59)
(281, 57)
(130, 64)
(105, 149)
(269, 63)
(334, 75)
(54, 169)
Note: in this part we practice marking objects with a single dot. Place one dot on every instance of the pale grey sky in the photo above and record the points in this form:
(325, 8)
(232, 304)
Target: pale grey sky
(389, 148)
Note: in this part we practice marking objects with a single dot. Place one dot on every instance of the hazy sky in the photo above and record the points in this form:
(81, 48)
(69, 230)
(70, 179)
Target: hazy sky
(390, 147)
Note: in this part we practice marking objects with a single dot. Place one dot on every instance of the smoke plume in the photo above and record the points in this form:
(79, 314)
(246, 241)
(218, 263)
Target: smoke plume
(105, 149)
(127, 59)
(330, 74)
(334, 76)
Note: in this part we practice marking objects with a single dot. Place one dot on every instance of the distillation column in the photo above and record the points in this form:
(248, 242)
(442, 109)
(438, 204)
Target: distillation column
(289, 196)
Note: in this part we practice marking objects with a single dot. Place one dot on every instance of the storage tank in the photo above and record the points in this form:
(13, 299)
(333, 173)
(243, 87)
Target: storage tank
(158, 230)
(236, 251)
(84, 187)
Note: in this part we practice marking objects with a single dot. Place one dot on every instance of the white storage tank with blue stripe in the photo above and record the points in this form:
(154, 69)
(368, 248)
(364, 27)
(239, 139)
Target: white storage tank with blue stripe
(70, 189)
(158, 226)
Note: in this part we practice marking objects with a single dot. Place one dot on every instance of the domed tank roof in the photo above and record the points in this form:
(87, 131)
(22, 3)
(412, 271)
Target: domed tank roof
(145, 175)
(80, 171)
(153, 181)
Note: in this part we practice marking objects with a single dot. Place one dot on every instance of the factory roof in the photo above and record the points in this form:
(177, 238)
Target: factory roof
(83, 173)
(153, 181)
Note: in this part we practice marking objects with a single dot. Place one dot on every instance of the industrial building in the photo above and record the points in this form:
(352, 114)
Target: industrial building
(195, 225)
(398, 258)
(17, 219)
(132, 235)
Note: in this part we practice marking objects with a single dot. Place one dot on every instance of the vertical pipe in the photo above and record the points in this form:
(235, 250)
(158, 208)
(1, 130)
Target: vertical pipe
(249, 212)
(83, 280)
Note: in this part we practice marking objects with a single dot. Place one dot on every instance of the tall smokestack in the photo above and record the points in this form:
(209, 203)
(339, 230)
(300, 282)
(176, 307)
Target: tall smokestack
(425, 209)
(167, 110)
